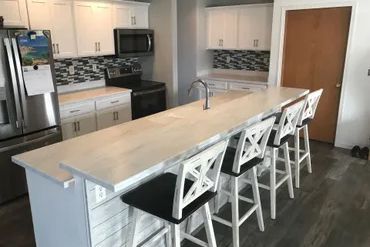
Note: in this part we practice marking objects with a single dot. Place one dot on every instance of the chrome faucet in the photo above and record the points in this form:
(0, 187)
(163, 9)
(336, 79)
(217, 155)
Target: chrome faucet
(206, 105)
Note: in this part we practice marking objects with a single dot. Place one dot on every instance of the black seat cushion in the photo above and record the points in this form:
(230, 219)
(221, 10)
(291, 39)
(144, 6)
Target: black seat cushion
(277, 115)
(227, 165)
(156, 197)
(271, 139)
(304, 122)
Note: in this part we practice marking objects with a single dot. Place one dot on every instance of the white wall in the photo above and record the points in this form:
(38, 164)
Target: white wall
(354, 113)
(163, 65)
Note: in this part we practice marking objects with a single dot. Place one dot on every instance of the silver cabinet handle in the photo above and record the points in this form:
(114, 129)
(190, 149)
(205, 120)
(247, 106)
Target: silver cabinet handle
(117, 116)
(74, 111)
(58, 49)
(132, 20)
(14, 83)
(53, 48)
(78, 126)
(96, 46)
(74, 127)
(115, 101)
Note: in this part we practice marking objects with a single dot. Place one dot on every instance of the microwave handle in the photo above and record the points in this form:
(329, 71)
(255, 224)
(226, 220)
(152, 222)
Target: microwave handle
(149, 42)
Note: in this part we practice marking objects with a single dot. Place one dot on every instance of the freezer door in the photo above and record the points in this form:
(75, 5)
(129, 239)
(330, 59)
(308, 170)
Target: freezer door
(12, 177)
(39, 111)
(10, 109)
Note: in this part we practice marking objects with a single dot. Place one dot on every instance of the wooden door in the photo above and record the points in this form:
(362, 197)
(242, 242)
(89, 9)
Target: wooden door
(39, 14)
(123, 114)
(86, 124)
(140, 14)
(230, 30)
(68, 129)
(104, 28)
(105, 119)
(14, 12)
(63, 33)
(122, 16)
(215, 28)
(314, 56)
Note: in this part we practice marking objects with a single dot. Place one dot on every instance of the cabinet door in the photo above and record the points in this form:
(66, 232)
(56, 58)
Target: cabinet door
(68, 129)
(85, 124)
(139, 15)
(255, 26)
(63, 32)
(14, 12)
(85, 29)
(123, 114)
(39, 14)
(122, 16)
(230, 30)
(215, 28)
(104, 28)
(105, 119)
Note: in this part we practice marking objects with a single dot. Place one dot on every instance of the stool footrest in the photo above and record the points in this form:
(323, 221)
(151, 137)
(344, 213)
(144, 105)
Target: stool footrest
(246, 199)
(154, 237)
(222, 221)
(248, 214)
(285, 178)
(194, 239)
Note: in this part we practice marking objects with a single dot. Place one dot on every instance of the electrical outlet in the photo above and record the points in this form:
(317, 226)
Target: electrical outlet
(95, 67)
(100, 193)
(71, 70)
(228, 59)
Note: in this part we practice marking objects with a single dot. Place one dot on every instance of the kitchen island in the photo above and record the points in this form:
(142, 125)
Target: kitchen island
(74, 186)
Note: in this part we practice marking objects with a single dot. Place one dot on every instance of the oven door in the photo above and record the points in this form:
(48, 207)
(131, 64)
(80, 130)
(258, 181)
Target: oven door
(147, 102)
(134, 42)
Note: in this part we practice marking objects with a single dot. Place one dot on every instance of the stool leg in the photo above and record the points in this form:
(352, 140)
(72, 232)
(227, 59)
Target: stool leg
(209, 226)
(133, 216)
(189, 224)
(175, 234)
(288, 170)
(273, 183)
(235, 210)
(307, 148)
(297, 165)
(168, 236)
(257, 199)
(218, 197)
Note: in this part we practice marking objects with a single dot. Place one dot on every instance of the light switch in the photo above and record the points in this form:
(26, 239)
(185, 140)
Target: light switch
(71, 70)
(100, 193)
(95, 67)
(228, 59)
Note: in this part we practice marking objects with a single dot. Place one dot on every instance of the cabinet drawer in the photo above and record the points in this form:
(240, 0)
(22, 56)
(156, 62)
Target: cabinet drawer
(217, 84)
(67, 111)
(113, 101)
(246, 87)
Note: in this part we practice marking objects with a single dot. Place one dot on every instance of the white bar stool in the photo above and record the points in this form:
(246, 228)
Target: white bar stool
(237, 162)
(279, 137)
(173, 198)
(311, 102)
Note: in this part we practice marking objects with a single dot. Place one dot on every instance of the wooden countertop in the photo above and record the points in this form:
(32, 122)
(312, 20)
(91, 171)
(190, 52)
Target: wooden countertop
(89, 94)
(112, 157)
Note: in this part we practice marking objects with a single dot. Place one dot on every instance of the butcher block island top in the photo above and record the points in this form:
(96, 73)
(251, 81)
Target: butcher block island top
(112, 157)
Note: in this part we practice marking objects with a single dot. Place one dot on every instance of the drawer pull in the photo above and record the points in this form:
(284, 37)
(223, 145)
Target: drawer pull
(114, 102)
(74, 111)
(246, 88)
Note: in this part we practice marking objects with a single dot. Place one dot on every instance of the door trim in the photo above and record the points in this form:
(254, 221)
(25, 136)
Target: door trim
(284, 9)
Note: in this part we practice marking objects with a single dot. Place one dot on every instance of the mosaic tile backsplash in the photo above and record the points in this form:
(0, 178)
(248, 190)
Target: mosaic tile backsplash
(241, 60)
(83, 68)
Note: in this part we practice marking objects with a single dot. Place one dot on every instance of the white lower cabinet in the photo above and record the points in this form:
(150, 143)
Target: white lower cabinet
(113, 116)
(81, 118)
(79, 125)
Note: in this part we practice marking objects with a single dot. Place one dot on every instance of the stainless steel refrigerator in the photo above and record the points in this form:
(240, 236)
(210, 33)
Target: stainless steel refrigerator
(29, 111)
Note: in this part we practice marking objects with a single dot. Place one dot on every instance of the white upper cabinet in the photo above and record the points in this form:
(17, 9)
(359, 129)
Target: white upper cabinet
(14, 12)
(56, 16)
(245, 27)
(255, 26)
(94, 28)
(127, 15)
(222, 28)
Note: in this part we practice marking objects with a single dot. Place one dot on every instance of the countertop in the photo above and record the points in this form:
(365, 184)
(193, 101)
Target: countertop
(255, 79)
(88, 94)
(111, 157)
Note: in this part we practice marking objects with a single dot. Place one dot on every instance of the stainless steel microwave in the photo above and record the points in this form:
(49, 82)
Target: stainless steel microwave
(134, 42)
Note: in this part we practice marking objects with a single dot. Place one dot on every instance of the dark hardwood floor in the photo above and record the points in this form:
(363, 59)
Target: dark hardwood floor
(331, 209)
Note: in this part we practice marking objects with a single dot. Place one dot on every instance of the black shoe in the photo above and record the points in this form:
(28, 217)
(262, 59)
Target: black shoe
(364, 153)
(355, 152)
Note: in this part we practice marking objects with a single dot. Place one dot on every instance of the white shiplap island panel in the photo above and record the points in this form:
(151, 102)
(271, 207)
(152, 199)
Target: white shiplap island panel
(122, 156)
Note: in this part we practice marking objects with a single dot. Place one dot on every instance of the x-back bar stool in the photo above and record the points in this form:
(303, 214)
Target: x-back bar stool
(173, 198)
(237, 162)
(311, 102)
(279, 137)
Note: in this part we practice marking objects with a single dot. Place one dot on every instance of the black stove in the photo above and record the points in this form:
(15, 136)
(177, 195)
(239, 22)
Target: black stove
(147, 97)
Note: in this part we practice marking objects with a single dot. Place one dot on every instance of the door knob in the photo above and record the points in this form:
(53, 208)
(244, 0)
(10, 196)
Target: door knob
(338, 85)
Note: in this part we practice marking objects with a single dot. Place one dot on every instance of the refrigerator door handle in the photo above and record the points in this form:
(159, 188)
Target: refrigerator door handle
(14, 82)
(20, 80)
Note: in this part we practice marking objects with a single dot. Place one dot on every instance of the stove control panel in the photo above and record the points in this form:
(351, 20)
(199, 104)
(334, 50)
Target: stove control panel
(124, 71)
